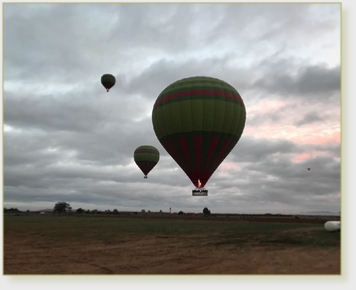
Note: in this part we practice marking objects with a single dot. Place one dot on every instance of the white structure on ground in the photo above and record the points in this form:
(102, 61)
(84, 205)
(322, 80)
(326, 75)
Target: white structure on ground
(332, 226)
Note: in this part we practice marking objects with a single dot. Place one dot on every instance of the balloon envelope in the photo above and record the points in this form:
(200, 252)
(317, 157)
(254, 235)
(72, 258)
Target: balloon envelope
(108, 81)
(146, 157)
(199, 120)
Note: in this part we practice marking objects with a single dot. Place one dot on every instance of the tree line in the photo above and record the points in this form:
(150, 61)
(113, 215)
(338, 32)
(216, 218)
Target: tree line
(64, 207)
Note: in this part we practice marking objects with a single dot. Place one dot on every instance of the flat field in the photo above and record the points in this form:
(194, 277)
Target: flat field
(168, 244)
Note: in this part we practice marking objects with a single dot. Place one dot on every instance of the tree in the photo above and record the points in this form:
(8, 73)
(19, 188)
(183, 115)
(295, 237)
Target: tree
(80, 210)
(206, 211)
(61, 207)
(181, 213)
(11, 210)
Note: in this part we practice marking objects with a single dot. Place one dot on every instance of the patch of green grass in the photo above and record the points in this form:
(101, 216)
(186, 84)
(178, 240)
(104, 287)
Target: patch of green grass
(315, 237)
(109, 229)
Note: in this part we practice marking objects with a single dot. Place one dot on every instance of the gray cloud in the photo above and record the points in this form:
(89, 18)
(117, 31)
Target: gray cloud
(67, 139)
(310, 118)
(309, 81)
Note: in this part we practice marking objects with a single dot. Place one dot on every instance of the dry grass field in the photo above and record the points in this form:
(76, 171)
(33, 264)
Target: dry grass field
(168, 244)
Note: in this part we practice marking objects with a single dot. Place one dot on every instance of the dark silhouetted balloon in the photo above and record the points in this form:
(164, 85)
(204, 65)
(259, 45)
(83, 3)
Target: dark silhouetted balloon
(199, 120)
(108, 81)
(146, 157)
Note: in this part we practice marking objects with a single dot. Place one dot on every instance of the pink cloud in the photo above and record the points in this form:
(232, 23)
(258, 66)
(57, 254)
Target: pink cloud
(301, 157)
(266, 107)
(285, 126)
(315, 135)
(225, 167)
(319, 138)
(306, 156)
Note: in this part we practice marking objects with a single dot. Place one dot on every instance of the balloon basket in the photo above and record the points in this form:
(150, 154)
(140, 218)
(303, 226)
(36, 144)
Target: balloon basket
(200, 192)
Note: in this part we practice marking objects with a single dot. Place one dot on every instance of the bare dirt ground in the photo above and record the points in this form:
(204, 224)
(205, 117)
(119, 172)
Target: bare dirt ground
(132, 254)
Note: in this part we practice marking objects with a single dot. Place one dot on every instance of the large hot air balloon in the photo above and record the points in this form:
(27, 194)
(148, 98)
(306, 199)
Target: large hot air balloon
(146, 157)
(199, 120)
(108, 81)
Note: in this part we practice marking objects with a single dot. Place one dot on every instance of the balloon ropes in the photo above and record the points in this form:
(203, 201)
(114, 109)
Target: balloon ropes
(108, 81)
(146, 157)
(199, 120)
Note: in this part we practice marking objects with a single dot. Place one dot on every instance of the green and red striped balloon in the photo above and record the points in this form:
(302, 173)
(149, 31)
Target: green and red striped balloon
(199, 120)
(146, 157)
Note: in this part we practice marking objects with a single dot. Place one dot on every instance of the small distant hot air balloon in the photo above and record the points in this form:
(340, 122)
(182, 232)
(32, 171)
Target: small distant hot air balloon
(146, 157)
(309, 169)
(199, 120)
(108, 81)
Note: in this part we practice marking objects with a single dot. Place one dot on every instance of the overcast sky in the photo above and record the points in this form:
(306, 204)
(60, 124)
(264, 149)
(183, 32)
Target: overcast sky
(67, 139)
